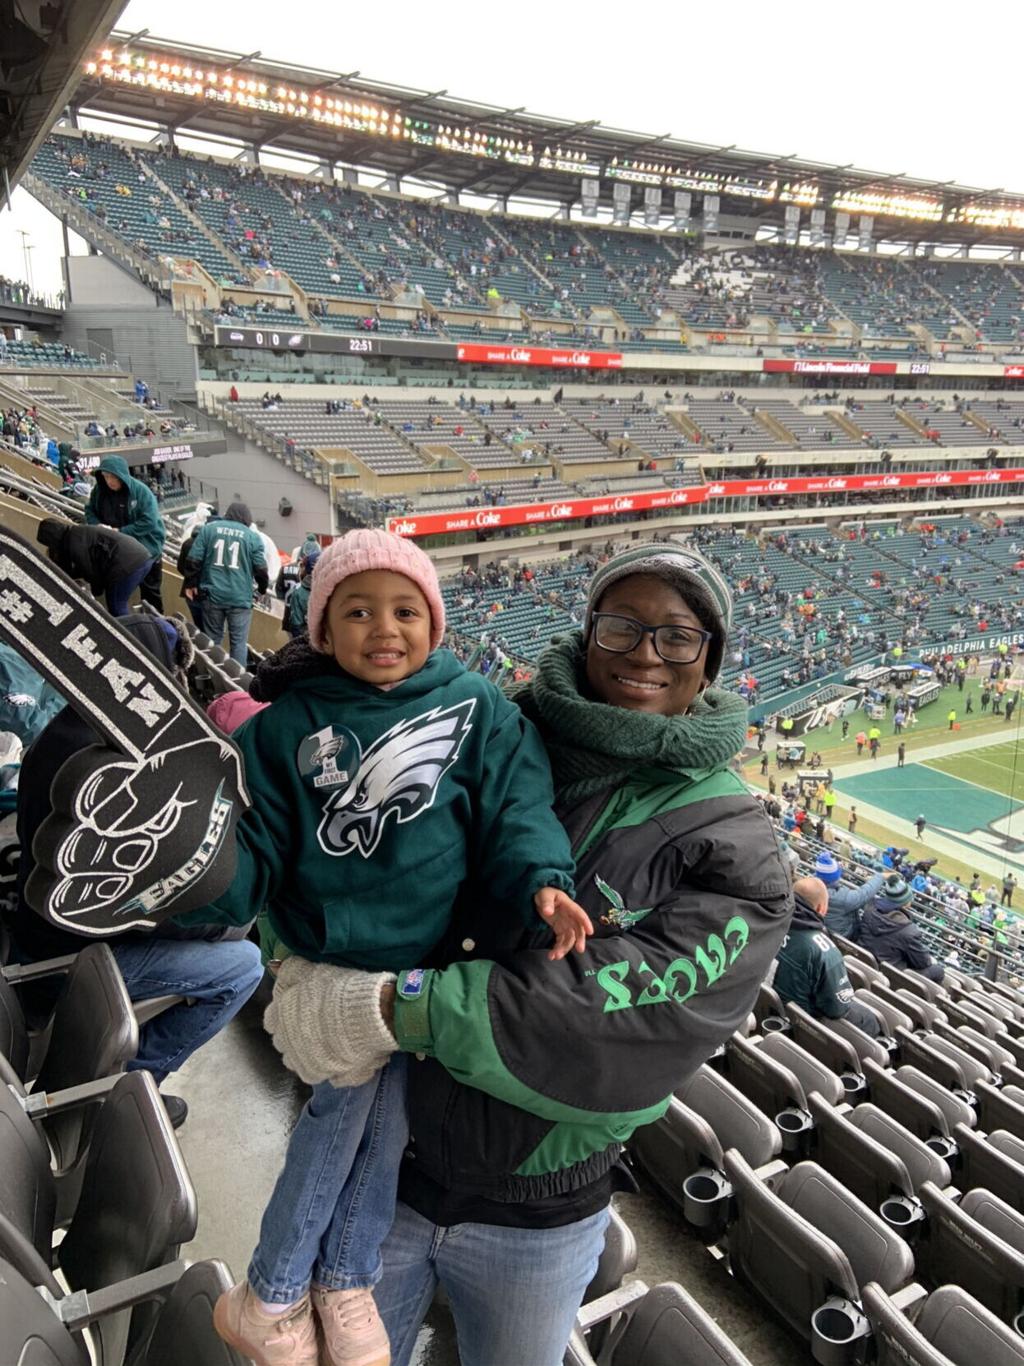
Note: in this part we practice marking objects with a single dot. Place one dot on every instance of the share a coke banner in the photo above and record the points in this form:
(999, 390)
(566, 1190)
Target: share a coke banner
(1013, 371)
(829, 367)
(576, 509)
(538, 355)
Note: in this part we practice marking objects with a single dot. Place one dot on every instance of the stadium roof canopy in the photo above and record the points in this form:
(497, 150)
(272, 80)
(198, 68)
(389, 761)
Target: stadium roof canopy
(492, 151)
(41, 56)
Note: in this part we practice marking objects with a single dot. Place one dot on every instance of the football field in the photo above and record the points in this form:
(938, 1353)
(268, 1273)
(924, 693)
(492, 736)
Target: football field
(999, 768)
(970, 794)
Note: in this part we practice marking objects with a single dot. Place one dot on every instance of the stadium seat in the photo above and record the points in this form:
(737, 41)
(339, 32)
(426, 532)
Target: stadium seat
(951, 1329)
(36, 1333)
(861, 974)
(683, 1152)
(992, 1161)
(918, 1051)
(135, 1209)
(807, 1250)
(977, 1244)
(1001, 1109)
(618, 1258)
(916, 1112)
(769, 1011)
(990, 1052)
(92, 1034)
(880, 1000)
(955, 1109)
(818, 1038)
(773, 1088)
(663, 1326)
(877, 1159)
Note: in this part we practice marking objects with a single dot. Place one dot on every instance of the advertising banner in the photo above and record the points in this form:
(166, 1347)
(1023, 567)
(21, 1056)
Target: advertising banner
(829, 367)
(576, 509)
(481, 354)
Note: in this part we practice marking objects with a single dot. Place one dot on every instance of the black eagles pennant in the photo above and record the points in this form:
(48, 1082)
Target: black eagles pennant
(142, 825)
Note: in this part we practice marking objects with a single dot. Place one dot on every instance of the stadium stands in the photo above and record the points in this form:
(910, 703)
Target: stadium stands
(109, 181)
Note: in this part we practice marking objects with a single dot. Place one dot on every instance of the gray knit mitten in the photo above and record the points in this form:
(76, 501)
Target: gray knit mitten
(326, 1023)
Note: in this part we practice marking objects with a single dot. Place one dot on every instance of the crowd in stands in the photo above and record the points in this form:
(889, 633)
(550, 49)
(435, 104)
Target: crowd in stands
(808, 604)
(336, 241)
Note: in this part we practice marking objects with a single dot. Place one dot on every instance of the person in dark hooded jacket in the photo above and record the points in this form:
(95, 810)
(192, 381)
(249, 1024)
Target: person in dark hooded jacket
(809, 967)
(127, 505)
(109, 561)
(888, 931)
(225, 558)
(217, 968)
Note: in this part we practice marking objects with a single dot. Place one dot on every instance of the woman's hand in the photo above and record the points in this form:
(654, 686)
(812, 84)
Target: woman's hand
(570, 923)
(327, 1022)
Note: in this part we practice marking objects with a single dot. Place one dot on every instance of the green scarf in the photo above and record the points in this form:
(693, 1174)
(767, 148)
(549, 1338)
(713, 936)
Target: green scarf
(593, 746)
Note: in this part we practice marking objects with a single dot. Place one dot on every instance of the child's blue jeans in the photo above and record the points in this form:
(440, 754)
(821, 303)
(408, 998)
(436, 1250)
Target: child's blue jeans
(334, 1202)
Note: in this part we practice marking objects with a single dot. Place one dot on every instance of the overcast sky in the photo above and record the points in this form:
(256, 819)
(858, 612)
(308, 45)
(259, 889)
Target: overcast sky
(893, 86)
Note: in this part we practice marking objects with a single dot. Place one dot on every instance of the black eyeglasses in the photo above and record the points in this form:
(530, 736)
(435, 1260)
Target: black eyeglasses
(673, 644)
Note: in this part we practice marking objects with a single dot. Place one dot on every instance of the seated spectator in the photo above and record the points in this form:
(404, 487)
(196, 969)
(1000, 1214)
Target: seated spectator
(845, 903)
(888, 931)
(809, 967)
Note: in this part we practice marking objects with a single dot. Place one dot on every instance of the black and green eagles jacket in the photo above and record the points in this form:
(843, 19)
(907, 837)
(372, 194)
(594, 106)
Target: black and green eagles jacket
(531, 1073)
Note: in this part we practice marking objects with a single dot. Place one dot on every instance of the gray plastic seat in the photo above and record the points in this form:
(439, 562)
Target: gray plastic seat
(809, 1248)
(968, 1244)
(876, 1159)
(862, 974)
(994, 1162)
(917, 1113)
(955, 1109)
(918, 1051)
(769, 1010)
(682, 1153)
(880, 1000)
(818, 1038)
(663, 1326)
(1001, 1109)
(136, 1206)
(812, 1074)
(951, 1329)
(991, 1052)
(966, 1012)
(618, 1258)
(33, 1333)
(853, 950)
(971, 1067)
(93, 1034)
(772, 1087)
(879, 1049)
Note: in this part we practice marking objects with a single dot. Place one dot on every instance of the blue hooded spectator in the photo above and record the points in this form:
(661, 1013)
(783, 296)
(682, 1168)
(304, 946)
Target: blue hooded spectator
(845, 903)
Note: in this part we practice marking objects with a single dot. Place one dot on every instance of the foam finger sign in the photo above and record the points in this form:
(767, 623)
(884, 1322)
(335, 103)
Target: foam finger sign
(142, 824)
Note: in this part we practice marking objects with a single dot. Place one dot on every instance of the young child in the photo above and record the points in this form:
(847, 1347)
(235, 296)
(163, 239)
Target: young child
(383, 777)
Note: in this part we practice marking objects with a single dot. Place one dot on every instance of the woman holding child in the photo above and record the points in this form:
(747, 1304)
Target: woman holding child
(526, 1066)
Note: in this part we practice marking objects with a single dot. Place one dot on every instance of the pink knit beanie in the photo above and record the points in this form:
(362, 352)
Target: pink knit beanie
(369, 549)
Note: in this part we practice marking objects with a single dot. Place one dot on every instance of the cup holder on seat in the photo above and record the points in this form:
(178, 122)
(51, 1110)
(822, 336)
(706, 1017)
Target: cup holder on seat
(839, 1333)
(795, 1126)
(903, 1213)
(706, 1197)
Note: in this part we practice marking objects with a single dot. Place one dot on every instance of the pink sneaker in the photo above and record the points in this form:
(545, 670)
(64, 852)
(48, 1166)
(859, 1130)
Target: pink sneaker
(353, 1333)
(287, 1339)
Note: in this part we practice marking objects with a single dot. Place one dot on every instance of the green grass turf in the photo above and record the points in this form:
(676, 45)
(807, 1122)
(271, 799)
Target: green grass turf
(1000, 768)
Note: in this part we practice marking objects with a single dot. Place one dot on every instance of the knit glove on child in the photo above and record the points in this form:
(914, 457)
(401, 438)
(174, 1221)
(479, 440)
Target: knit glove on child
(325, 1022)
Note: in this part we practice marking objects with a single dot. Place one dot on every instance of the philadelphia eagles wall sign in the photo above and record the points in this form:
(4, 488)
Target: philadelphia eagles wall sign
(142, 825)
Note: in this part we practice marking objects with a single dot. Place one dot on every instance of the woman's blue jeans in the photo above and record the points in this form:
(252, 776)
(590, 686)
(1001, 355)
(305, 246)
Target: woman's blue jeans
(514, 1292)
(334, 1201)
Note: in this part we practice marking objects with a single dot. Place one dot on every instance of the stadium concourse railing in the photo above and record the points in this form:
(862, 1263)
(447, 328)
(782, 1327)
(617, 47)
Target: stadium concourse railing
(976, 951)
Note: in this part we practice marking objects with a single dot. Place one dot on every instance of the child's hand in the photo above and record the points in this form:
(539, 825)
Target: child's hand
(569, 922)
